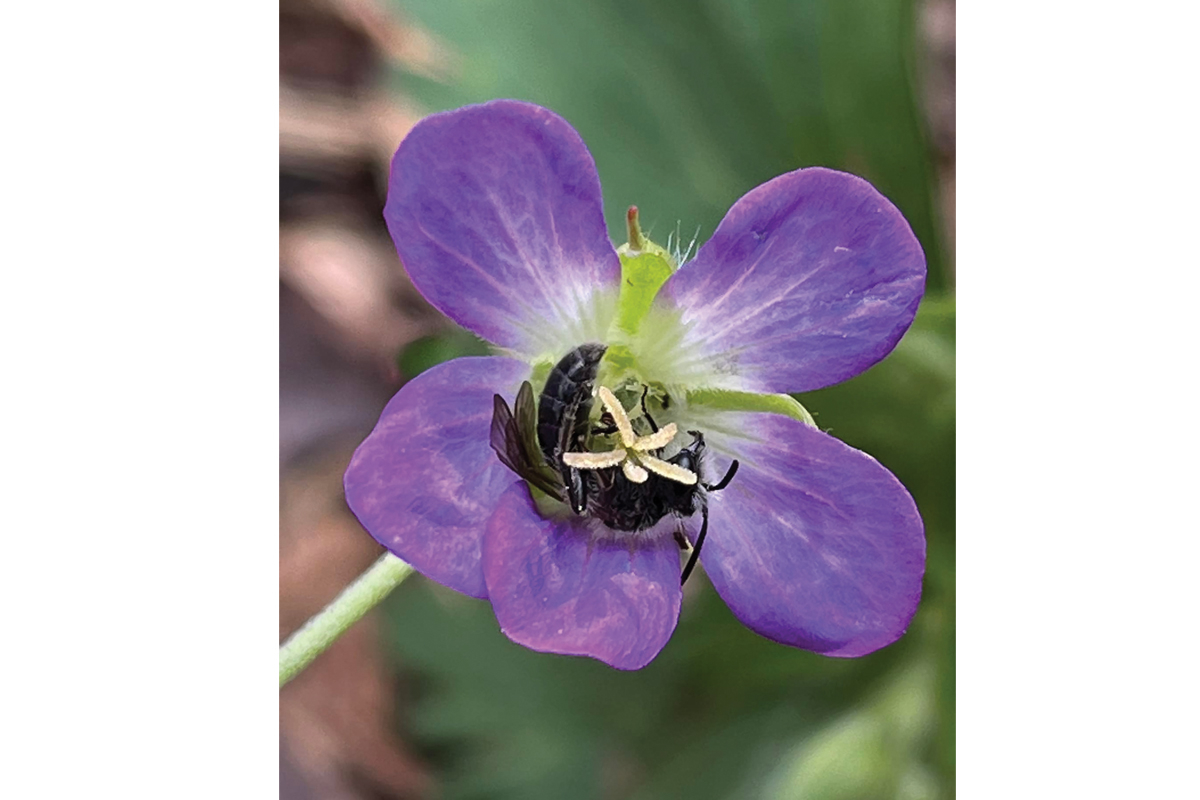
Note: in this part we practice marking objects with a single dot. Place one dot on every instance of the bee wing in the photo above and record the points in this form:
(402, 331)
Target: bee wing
(510, 438)
(527, 421)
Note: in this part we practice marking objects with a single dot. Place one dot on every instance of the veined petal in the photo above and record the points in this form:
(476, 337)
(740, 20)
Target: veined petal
(557, 586)
(813, 544)
(496, 212)
(810, 279)
(426, 480)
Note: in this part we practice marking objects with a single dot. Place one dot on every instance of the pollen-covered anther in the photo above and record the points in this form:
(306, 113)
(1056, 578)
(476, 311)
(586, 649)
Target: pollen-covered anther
(636, 459)
(594, 460)
(614, 407)
(634, 473)
(668, 470)
(656, 441)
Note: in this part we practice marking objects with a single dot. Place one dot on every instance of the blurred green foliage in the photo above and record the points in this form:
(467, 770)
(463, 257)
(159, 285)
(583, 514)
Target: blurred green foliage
(686, 106)
(428, 351)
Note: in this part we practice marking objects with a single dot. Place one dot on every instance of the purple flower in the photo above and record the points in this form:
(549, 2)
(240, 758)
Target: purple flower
(809, 280)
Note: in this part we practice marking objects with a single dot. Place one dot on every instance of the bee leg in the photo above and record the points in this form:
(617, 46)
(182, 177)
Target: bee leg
(721, 484)
(576, 490)
(699, 543)
(681, 538)
(605, 426)
(645, 413)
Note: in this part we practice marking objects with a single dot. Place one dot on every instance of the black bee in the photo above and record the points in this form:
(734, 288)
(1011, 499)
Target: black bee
(561, 423)
(627, 506)
(532, 442)
(563, 415)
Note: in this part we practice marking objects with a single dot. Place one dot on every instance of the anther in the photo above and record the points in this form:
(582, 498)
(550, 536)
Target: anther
(634, 458)
(668, 470)
(594, 460)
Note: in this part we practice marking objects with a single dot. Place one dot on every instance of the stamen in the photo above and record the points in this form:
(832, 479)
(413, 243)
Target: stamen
(656, 441)
(668, 470)
(619, 416)
(594, 460)
(634, 473)
(634, 466)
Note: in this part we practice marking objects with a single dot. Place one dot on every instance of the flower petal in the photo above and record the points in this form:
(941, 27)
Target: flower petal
(813, 544)
(559, 586)
(809, 280)
(426, 480)
(496, 212)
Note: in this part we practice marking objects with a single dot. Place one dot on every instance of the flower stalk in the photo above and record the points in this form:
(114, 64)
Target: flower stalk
(315, 636)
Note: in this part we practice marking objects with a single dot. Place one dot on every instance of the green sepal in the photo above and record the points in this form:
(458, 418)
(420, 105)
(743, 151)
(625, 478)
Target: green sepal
(642, 276)
(645, 267)
(627, 251)
(730, 400)
(540, 371)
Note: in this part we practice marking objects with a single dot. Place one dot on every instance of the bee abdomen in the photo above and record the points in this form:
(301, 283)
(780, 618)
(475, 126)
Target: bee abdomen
(566, 401)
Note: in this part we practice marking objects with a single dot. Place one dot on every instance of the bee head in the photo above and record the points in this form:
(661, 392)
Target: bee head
(689, 457)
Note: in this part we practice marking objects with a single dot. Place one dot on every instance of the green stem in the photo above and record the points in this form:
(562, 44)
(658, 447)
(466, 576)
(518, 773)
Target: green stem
(355, 600)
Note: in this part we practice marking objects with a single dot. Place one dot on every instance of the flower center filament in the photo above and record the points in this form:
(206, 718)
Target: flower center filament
(634, 456)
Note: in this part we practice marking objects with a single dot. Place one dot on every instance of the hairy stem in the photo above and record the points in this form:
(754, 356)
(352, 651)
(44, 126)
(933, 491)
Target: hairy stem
(355, 600)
